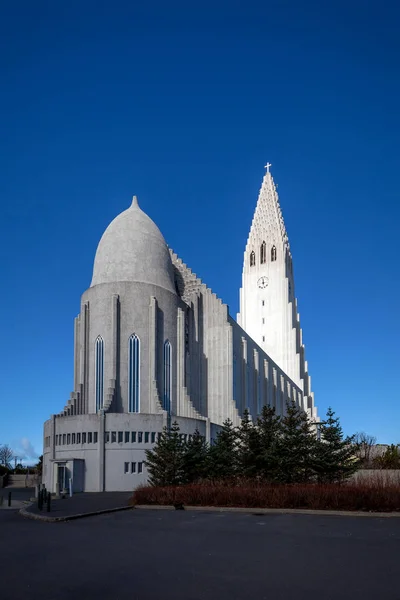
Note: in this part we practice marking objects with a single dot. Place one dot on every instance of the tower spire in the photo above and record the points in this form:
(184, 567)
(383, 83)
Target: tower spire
(268, 222)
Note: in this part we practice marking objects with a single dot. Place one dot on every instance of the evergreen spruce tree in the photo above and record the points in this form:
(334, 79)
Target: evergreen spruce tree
(165, 461)
(269, 429)
(335, 458)
(390, 459)
(195, 458)
(223, 454)
(296, 447)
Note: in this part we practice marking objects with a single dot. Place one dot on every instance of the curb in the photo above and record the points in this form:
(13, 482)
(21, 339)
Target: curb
(24, 512)
(267, 511)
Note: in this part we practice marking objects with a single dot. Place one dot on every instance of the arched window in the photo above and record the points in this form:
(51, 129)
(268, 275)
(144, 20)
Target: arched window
(252, 259)
(134, 374)
(167, 377)
(263, 253)
(99, 370)
(273, 253)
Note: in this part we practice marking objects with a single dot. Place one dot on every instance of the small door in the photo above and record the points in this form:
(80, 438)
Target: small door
(61, 477)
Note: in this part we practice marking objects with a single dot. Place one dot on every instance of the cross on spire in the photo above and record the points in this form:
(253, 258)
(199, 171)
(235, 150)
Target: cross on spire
(267, 166)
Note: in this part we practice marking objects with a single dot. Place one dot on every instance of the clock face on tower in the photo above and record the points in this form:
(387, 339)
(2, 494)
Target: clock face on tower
(262, 282)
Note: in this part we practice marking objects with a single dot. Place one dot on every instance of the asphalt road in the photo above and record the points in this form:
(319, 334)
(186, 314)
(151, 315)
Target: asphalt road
(183, 555)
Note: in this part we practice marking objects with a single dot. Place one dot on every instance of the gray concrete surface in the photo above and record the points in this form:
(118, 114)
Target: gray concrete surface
(179, 555)
(18, 496)
(83, 503)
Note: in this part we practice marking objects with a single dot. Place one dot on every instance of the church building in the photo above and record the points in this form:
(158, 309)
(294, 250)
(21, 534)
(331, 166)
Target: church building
(153, 344)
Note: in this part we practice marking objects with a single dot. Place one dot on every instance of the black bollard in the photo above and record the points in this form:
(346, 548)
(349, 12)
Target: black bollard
(48, 501)
(40, 500)
(9, 498)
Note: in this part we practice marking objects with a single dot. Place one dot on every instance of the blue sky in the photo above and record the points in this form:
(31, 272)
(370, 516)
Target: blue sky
(183, 104)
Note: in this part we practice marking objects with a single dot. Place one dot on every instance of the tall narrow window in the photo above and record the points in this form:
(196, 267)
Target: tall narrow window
(263, 253)
(273, 253)
(167, 376)
(252, 259)
(99, 369)
(134, 374)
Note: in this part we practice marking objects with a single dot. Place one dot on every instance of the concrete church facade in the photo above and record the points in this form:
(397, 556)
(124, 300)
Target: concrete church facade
(153, 344)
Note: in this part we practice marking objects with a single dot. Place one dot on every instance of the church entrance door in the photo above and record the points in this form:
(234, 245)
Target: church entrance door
(61, 477)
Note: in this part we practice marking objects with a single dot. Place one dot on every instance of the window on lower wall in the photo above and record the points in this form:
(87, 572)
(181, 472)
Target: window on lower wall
(89, 437)
(95, 437)
(107, 437)
(133, 467)
(126, 467)
(64, 438)
(140, 437)
(127, 437)
(133, 437)
(73, 438)
(113, 437)
(83, 438)
(120, 437)
(146, 437)
(153, 437)
(78, 438)
(140, 467)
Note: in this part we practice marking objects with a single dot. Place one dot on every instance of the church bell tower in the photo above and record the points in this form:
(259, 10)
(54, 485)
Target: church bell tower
(268, 308)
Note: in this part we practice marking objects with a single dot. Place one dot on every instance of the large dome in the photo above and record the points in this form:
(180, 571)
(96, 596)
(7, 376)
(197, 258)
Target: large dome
(132, 248)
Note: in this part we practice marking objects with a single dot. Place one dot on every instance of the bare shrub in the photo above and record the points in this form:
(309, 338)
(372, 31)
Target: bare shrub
(350, 496)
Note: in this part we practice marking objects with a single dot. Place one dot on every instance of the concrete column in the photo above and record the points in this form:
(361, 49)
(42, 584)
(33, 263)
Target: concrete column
(115, 345)
(84, 357)
(102, 451)
(76, 353)
(257, 384)
(152, 354)
(244, 399)
(180, 363)
(208, 431)
(265, 376)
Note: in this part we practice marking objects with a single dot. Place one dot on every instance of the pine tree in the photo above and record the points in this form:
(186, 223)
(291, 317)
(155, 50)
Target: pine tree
(165, 461)
(295, 447)
(223, 455)
(390, 459)
(195, 458)
(269, 429)
(335, 458)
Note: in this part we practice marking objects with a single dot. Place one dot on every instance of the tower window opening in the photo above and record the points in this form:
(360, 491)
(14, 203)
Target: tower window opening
(167, 377)
(273, 253)
(252, 259)
(134, 374)
(263, 253)
(99, 370)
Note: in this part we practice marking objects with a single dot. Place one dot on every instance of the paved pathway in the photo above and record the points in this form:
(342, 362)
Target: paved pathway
(19, 496)
(83, 503)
